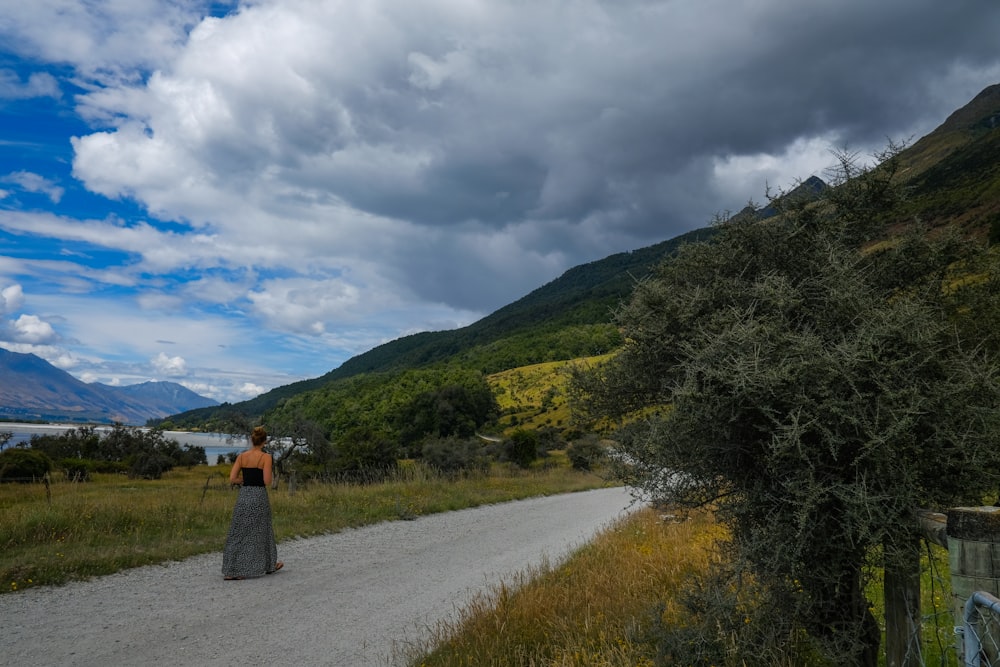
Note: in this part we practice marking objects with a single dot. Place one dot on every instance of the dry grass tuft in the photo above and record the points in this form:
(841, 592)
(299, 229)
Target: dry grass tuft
(596, 609)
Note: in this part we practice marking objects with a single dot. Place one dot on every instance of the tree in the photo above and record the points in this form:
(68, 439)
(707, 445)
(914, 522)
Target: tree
(452, 410)
(365, 454)
(813, 387)
(144, 452)
(521, 448)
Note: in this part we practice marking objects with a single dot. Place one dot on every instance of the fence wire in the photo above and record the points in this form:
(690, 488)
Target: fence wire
(952, 635)
(981, 630)
(938, 645)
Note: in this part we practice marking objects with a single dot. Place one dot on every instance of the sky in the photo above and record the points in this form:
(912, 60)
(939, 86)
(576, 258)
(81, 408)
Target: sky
(239, 195)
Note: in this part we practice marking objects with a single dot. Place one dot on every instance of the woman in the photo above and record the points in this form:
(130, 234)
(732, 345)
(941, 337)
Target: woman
(250, 548)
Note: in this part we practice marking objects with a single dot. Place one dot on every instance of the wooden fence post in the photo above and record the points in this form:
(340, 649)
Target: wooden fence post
(901, 589)
(974, 560)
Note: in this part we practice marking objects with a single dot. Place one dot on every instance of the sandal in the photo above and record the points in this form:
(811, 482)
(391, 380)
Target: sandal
(277, 566)
(234, 578)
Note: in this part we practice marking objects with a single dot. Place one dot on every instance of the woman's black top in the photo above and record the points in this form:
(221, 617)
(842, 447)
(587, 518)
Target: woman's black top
(253, 477)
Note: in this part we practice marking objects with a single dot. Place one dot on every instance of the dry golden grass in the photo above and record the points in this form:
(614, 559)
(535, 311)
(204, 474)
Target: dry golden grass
(593, 610)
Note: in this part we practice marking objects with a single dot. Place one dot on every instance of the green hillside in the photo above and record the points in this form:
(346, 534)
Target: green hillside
(564, 319)
(952, 176)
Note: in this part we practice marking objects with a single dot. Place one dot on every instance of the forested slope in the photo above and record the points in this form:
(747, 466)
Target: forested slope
(952, 177)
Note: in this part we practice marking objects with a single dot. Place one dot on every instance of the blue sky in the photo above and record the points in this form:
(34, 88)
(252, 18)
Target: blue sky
(235, 196)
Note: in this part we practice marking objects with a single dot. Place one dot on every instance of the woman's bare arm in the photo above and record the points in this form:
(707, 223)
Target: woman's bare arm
(234, 474)
(268, 476)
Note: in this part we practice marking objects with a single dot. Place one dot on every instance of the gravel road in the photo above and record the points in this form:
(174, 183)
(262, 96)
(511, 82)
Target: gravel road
(355, 598)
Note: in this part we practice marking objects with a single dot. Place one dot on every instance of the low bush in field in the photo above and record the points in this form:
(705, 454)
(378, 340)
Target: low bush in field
(586, 452)
(456, 455)
(23, 465)
(522, 447)
(78, 468)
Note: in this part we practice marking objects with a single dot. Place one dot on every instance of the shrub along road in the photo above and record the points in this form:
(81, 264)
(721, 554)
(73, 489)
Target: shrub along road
(355, 598)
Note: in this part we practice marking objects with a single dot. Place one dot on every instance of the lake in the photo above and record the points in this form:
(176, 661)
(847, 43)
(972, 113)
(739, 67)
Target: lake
(215, 444)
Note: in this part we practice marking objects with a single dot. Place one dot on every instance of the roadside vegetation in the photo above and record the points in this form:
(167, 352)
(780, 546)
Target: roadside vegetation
(601, 607)
(624, 600)
(64, 530)
(815, 379)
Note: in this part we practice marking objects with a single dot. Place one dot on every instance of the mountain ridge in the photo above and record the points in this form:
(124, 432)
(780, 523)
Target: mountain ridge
(32, 389)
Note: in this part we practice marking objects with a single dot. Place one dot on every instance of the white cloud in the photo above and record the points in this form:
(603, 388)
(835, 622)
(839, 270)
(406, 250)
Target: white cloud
(11, 299)
(26, 333)
(250, 390)
(303, 305)
(106, 40)
(39, 84)
(30, 182)
(753, 175)
(169, 366)
(32, 330)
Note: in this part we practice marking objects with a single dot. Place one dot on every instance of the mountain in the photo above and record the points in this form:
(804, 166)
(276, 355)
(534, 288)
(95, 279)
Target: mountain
(566, 318)
(953, 173)
(33, 389)
(162, 398)
(952, 176)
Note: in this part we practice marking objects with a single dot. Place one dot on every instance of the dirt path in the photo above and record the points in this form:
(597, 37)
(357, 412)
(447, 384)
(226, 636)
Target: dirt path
(355, 598)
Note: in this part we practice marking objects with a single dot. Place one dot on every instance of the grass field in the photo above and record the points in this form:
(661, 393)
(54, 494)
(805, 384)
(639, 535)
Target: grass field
(64, 531)
(599, 608)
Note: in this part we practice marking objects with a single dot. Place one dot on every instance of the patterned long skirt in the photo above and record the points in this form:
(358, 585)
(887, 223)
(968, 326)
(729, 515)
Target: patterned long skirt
(250, 548)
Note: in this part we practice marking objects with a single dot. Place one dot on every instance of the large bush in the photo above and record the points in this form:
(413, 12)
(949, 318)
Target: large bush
(521, 448)
(364, 455)
(150, 465)
(814, 387)
(23, 465)
(456, 455)
(585, 453)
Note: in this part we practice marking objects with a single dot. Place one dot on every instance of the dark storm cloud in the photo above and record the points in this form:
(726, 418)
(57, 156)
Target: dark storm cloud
(342, 172)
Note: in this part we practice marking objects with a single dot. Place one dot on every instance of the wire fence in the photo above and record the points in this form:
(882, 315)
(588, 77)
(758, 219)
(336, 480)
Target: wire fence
(981, 630)
(936, 645)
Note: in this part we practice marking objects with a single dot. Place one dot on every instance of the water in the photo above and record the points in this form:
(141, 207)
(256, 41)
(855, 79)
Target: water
(215, 444)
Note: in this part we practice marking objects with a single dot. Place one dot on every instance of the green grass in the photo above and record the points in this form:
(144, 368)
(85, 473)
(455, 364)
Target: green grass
(78, 530)
(937, 640)
(534, 396)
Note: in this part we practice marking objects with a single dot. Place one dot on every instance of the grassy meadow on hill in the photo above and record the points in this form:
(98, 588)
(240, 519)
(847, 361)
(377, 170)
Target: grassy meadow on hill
(534, 397)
